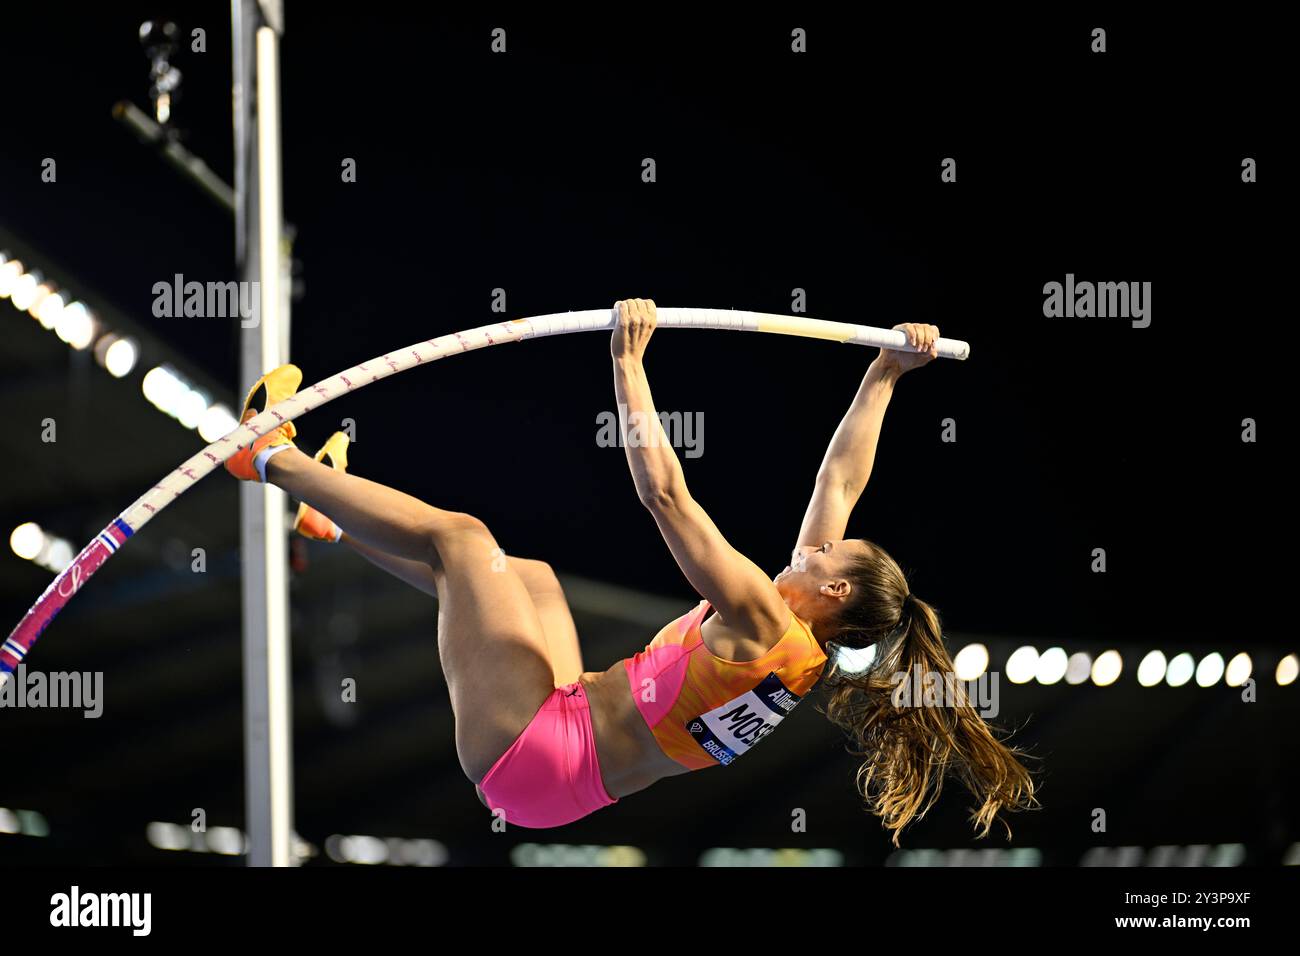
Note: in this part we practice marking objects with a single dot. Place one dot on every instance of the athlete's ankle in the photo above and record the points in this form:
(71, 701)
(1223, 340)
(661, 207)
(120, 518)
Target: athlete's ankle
(281, 464)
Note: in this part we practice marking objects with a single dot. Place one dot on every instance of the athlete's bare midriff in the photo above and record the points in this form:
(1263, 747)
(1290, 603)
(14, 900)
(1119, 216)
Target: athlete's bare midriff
(630, 756)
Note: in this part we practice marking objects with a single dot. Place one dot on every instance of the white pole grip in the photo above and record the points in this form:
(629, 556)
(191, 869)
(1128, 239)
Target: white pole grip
(594, 320)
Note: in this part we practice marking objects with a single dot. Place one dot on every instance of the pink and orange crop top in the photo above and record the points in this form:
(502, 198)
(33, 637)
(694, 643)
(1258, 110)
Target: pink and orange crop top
(705, 711)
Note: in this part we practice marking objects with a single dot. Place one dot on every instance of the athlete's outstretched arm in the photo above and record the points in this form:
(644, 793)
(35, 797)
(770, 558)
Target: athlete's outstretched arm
(738, 590)
(852, 453)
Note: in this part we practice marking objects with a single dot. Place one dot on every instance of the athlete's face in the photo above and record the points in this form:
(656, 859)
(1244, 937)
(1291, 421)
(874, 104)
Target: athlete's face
(819, 574)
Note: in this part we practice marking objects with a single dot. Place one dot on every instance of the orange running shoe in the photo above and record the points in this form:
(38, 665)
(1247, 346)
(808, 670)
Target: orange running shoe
(278, 384)
(309, 522)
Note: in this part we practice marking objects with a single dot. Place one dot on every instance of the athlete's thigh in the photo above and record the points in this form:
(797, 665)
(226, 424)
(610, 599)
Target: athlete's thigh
(493, 649)
(563, 648)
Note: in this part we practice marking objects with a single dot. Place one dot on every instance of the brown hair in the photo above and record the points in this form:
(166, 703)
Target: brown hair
(909, 750)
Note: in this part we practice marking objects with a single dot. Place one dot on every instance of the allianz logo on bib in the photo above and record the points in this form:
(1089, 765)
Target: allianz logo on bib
(730, 730)
(783, 698)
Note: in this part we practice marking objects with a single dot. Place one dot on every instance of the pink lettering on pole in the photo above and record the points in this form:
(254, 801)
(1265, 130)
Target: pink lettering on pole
(74, 576)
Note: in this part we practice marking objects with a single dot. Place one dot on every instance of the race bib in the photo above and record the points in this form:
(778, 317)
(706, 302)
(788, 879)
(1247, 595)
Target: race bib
(728, 731)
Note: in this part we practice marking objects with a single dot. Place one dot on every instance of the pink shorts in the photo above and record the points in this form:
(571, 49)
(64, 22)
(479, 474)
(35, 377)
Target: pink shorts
(550, 776)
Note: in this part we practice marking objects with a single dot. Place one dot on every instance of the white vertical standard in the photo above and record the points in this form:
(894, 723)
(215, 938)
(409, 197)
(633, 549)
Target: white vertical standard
(268, 699)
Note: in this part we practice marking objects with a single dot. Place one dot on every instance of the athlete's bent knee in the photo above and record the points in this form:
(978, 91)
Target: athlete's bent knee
(538, 576)
(450, 528)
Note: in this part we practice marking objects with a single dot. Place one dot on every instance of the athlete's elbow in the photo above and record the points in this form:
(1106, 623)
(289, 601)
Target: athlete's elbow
(842, 482)
(662, 496)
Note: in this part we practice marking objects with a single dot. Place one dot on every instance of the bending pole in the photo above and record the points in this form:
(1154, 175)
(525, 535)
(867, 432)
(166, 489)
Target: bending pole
(176, 483)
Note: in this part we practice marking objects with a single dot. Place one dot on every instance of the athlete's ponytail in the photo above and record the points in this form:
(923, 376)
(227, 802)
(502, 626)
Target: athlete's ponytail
(912, 741)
